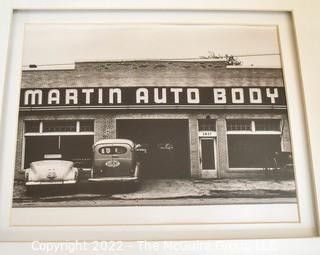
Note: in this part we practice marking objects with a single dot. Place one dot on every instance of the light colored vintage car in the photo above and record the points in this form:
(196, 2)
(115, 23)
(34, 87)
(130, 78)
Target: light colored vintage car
(115, 161)
(50, 172)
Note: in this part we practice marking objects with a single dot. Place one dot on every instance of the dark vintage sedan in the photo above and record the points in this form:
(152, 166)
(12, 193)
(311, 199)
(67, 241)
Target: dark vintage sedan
(115, 161)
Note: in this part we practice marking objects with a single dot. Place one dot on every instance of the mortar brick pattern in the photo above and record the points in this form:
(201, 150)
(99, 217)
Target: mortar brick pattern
(222, 146)
(19, 150)
(152, 73)
(285, 139)
(194, 148)
(99, 128)
(110, 131)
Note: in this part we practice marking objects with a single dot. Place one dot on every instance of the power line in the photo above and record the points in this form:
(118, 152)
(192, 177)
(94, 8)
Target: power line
(257, 55)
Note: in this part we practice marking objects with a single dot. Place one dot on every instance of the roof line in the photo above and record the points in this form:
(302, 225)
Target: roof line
(153, 59)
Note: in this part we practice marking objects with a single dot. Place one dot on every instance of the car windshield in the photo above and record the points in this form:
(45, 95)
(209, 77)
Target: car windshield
(113, 150)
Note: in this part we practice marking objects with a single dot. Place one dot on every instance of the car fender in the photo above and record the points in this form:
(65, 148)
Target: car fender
(72, 174)
(137, 170)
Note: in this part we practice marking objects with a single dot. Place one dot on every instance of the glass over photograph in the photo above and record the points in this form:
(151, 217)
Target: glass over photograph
(159, 115)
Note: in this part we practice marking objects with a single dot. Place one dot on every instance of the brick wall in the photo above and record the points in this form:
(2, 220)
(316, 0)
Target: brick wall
(19, 150)
(285, 139)
(222, 153)
(105, 127)
(194, 147)
(152, 73)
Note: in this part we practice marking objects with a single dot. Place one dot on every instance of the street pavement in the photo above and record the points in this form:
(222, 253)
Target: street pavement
(162, 192)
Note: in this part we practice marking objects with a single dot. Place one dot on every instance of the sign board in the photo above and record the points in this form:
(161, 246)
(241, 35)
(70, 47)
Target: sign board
(207, 133)
(153, 97)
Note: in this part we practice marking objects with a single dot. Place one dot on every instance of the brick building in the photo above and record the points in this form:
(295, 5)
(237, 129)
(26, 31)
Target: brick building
(198, 119)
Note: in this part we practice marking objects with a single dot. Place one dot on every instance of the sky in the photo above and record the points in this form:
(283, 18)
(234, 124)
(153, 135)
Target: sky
(65, 44)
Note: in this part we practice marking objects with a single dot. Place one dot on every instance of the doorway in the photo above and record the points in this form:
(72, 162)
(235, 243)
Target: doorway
(167, 143)
(208, 156)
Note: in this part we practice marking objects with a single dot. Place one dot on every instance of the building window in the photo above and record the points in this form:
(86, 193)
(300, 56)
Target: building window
(72, 139)
(56, 126)
(267, 125)
(251, 142)
(207, 125)
(252, 151)
(60, 126)
(86, 126)
(32, 126)
(76, 148)
(239, 124)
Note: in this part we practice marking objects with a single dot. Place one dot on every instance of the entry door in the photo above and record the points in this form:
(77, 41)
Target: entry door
(208, 159)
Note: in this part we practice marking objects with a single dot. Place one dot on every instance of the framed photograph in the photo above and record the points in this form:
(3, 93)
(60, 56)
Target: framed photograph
(183, 124)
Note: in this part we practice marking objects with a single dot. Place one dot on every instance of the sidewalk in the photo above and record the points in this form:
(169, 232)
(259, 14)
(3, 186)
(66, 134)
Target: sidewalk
(226, 188)
(170, 192)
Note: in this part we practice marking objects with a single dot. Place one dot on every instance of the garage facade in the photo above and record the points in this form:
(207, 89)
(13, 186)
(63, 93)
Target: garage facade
(198, 119)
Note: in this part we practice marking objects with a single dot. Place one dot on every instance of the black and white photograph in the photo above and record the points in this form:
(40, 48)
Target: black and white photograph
(152, 115)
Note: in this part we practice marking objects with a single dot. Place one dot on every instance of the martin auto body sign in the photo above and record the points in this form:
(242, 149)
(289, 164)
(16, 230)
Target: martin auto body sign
(153, 98)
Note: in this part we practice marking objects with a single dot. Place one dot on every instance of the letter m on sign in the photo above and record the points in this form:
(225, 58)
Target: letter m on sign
(32, 97)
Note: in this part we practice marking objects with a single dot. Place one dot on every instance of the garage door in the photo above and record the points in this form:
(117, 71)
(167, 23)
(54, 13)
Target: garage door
(167, 142)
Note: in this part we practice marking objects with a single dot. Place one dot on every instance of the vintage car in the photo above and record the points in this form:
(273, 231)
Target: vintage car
(115, 161)
(50, 172)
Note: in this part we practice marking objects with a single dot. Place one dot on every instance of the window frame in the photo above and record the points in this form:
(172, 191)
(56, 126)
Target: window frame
(58, 133)
(253, 130)
(214, 121)
(112, 149)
